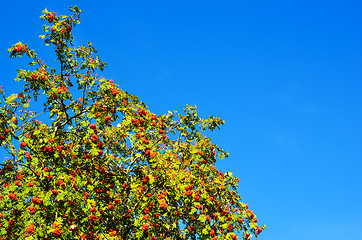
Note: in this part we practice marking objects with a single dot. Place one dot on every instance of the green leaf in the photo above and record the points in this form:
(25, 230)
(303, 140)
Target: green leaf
(202, 218)
(61, 195)
(193, 210)
(205, 232)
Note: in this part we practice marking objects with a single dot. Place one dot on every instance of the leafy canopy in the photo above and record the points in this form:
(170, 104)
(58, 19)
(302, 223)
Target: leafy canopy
(103, 166)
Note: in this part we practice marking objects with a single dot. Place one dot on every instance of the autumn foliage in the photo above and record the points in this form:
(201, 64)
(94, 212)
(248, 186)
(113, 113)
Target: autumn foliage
(102, 165)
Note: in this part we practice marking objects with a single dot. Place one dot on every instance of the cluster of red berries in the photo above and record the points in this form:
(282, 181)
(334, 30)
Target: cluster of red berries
(30, 229)
(20, 47)
(51, 16)
(57, 231)
(62, 89)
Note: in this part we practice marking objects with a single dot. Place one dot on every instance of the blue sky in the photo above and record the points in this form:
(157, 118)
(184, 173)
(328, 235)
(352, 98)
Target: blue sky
(284, 75)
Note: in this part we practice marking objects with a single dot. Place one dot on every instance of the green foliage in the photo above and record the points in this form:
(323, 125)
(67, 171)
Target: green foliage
(105, 166)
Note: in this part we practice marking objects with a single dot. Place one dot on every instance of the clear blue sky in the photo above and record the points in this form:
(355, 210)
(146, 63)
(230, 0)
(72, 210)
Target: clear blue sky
(284, 75)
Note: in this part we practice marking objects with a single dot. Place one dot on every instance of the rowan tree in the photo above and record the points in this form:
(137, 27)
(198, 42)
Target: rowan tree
(103, 166)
